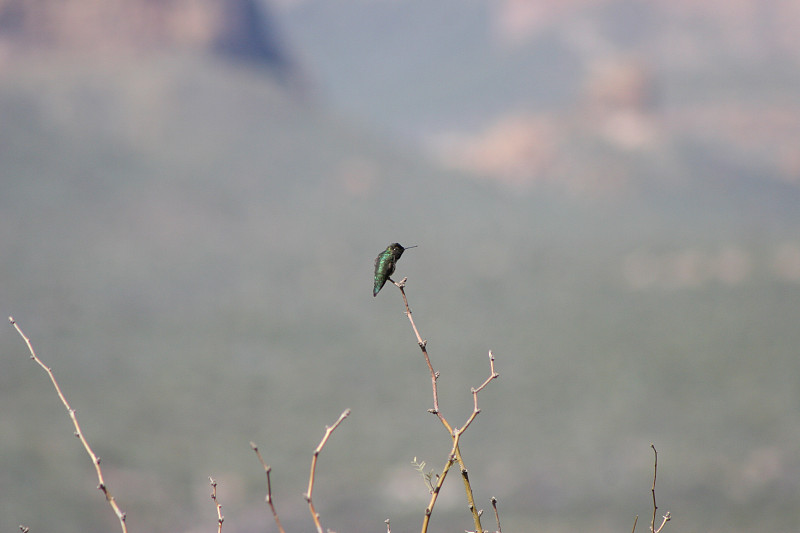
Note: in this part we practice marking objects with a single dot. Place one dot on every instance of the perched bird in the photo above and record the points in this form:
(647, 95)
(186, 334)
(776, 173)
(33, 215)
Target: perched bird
(385, 263)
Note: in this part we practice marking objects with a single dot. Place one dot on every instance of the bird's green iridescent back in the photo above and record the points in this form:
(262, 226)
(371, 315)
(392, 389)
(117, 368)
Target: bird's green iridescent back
(384, 267)
(385, 263)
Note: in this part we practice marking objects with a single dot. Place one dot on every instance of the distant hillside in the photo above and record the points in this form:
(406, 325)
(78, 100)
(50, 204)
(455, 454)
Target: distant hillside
(191, 249)
(239, 28)
(589, 95)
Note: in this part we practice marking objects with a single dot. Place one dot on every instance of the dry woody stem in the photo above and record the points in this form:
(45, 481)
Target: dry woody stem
(496, 514)
(308, 495)
(101, 484)
(220, 518)
(667, 516)
(454, 432)
(328, 431)
(268, 498)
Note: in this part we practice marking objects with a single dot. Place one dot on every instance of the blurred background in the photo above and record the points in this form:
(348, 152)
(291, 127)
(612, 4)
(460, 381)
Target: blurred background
(605, 193)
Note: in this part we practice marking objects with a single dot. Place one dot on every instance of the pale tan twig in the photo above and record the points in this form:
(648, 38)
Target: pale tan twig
(455, 433)
(328, 431)
(268, 499)
(666, 517)
(220, 518)
(101, 484)
(635, 521)
(476, 515)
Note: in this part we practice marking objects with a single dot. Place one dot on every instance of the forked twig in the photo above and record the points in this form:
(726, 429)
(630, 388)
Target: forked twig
(220, 518)
(268, 498)
(455, 433)
(328, 431)
(666, 518)
(101, 484)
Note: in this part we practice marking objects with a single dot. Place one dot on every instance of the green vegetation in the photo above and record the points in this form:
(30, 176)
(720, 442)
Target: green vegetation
(191, 250)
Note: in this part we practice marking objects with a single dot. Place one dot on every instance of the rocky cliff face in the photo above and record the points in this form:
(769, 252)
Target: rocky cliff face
(241, 28)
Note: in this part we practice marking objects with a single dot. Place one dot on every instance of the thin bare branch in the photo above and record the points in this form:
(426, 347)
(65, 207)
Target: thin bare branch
(635, 521)
(435, 492)
(653, 488)
(455, 433)
(220, 518)
(666, 517)
(268, 498)
(101, 484)
(423, 344)
(496, 514)
(308, 495)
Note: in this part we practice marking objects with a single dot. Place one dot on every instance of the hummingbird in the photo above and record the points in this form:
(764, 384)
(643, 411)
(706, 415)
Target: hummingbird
(385, 263)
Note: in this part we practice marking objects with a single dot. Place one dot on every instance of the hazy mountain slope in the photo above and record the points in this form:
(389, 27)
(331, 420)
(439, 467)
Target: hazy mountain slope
(572, 93)
(191, 249)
